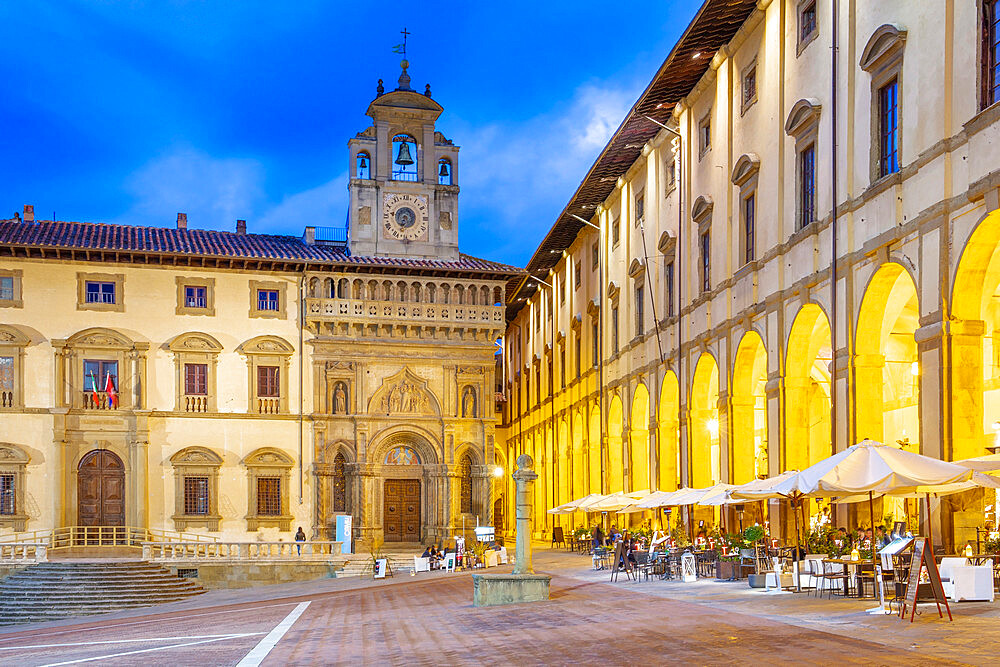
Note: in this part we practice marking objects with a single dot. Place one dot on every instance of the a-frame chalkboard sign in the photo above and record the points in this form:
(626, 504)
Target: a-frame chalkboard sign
(620, 562)
(923, 558)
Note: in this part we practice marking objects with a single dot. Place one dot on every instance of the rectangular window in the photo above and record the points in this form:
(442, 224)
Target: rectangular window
(562, 367)
(269, 496)
(671, 173)
(595, 351)
(705, 135)
(548, 303)
(195, 296)
(639, 312)
(668, 281)
(7, 504)
(749, 86)
(577, 356)
(640, 207)
(706, 262)
(807, 185)
(577, 275)
(267, 299)
(196, 379)
(6, 288)
(616, 231)
(888, 124)
(991, 52)
(196, 495)
(267, 382)
(595, 255)
(749, 231)
(99, 292)
(96, 373)
(807, 21)
(614, 330)
(562, 291)
(7, 375)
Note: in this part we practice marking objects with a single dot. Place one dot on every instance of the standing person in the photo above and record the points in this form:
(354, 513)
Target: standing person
(598, 537)
(300, 537)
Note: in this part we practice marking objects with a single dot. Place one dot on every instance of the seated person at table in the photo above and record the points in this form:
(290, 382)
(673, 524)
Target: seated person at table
(598, 537)
(881, 539)
(427, 553)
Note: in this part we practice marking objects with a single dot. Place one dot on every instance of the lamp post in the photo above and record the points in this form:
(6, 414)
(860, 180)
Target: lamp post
(600, 343)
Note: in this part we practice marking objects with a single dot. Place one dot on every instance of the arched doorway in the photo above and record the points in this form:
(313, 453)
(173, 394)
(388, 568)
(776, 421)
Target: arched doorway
(401, 496)
(594, 451)
(704, 453)
(807, 389)
(639, 440)
(668, 432)
(749, 412)
(100, 484)
(616, 471)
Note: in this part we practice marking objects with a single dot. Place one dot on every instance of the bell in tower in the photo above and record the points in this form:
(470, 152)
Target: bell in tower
(404, 158)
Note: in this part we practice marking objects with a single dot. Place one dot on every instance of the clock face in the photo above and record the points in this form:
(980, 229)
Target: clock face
(404, 217)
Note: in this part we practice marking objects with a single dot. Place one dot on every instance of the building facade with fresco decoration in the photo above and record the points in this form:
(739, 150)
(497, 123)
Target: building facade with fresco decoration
(738, 324)
(242, 385)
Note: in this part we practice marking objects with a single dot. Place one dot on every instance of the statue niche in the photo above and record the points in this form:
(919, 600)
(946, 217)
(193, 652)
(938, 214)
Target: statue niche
(469, 402)
(338, 398)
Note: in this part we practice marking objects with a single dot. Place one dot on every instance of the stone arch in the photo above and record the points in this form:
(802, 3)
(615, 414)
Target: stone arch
(639, 439)
(410, 435)
(616, 427)
(808, 356)
(594, 450)
(668, 432)
(579, 476)
(748, 459)
(563, 455)
(885, 356)
(470, 449)
(704, 416)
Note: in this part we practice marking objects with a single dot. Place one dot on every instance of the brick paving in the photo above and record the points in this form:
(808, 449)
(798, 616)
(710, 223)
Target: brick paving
(430, 620)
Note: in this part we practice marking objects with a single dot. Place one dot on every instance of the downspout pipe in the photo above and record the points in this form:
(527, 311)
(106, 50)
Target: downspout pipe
(834, 35)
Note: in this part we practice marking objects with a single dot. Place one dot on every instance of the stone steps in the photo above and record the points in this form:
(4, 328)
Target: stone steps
(49, 591)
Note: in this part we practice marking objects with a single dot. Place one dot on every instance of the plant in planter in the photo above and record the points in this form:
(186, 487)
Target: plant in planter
(992, 545)
(478, 551)
(753, 534)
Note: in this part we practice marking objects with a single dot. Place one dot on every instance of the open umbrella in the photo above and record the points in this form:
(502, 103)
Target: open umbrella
(574, 505)
(658, 499)
(717, 495)
(988, 463)
(612, 502)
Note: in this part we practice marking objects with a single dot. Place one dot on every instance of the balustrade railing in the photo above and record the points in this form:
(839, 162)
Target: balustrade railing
(268, 406)
(23, 552)
(195, 403)
(67, 537)
(403, 311)
(252, 551)
(100, 400)
(6, 399)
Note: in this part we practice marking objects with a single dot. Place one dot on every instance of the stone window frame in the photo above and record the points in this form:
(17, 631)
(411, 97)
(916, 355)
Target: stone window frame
(639, 206)
(705, 140)
(280, 287)
(267, 351)
(14, 461)
(103, 344)
(82, 278)
(17, 298)
(667, 245)
(187, 281)
(577, 274)
(803, 42)
(195, 347)
(670, 174)
(984, 55)
(268, 462)
(882, 59)
(196, 462)
(12, 344)
(745, 102)
(802, 125)
(744, 176)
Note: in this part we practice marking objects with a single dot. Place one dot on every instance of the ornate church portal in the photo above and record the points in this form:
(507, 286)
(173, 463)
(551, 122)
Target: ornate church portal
(403, 345)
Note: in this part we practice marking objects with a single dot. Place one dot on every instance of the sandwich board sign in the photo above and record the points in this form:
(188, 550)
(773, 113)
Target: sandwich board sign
(923, 561)
(381, 565)
(344, 530)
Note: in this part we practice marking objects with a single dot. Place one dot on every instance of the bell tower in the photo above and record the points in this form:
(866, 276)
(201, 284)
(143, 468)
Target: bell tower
(403, 179)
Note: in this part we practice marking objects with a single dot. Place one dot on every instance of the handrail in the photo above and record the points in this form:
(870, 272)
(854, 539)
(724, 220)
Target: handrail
(220, 551)
(66, 537)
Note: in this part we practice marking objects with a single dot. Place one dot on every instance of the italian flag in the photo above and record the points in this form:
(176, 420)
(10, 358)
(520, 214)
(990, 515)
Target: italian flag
(93, 389)
(109, 389)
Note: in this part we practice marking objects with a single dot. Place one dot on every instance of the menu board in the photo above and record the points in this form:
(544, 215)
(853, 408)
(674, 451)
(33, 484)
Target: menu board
(923, 559)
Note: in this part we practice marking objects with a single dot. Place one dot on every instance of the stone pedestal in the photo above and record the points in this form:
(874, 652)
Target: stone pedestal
(522, 585)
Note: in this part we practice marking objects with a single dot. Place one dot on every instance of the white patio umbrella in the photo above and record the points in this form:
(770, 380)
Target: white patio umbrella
(717, 495)
(574, 505)
(613, 502)
(988, 463)
(657, 499)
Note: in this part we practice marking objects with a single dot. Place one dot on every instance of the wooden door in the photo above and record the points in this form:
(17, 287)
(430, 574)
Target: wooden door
(401, 510)
(101, 490)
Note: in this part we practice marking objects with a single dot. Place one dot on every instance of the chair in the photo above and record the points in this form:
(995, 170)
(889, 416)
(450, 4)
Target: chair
(643, 564)
(503, 555)
(448, 564)
(601, 558)
(946, 575)
(833, 572)
(557, 536)
(421, 564)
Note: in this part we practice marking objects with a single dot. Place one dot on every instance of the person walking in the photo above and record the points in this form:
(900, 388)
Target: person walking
(300, 537)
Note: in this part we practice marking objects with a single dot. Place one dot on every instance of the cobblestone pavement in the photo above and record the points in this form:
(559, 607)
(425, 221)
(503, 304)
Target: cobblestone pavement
(429, 619)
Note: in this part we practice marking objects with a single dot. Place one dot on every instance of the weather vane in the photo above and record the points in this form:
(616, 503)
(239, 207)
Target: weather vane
(401, 48)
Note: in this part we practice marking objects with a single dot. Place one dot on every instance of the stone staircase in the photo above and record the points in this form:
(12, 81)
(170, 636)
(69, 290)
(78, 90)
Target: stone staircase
(54, 590)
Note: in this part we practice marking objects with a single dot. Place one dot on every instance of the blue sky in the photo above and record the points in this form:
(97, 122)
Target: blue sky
(132, 111)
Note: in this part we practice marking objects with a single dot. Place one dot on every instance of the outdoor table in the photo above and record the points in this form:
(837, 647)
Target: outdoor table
(853, 569)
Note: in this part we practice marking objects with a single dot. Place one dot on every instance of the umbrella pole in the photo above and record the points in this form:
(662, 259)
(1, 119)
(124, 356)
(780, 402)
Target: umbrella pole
(871, 510)
(795, 558)
(929, 536)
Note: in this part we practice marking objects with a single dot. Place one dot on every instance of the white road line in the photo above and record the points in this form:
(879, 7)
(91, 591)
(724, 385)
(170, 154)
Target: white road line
(138, 640)
(260, 651)
(145, 650)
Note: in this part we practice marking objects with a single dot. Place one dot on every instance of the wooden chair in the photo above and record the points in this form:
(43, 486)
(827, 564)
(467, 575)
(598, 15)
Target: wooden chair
(835, 572)
(557, 536)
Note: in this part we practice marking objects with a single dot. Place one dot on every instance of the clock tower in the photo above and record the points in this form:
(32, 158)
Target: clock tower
(403, 179)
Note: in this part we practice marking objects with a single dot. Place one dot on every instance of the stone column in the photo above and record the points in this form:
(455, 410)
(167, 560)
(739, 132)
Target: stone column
(524, 479)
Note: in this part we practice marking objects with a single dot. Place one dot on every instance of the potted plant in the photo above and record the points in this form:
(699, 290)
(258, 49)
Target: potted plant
(751, 536)
(728, 560)
(992, 545)
(478, 551)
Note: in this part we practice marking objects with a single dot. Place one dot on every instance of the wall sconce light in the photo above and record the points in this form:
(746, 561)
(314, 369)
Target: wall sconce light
(498, 472)
(713, 427)
(915, 369)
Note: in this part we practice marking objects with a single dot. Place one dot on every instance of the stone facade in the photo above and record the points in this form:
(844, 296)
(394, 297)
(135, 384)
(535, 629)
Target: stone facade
(736, 325)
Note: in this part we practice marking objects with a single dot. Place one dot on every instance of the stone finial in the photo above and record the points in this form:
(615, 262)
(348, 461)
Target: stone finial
(380, 90)
(525, 462)
(427, 90)
(404, 78)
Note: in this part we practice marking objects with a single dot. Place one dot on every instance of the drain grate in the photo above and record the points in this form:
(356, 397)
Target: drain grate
(187, 572)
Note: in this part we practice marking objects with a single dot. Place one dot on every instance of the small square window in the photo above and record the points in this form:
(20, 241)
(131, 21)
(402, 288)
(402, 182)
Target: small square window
(195, 296)
(100, 292)
(267, 382)
(196, 496)
(196, 379)
(6, 288)
(267, 299)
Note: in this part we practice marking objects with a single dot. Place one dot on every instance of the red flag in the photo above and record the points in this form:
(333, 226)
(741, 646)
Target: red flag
(109, 389)
(93, 389)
